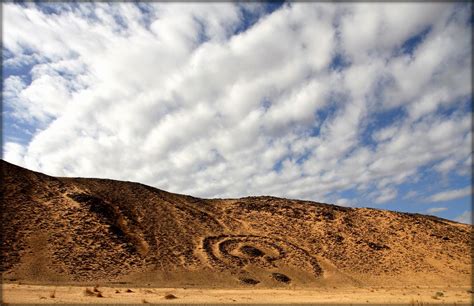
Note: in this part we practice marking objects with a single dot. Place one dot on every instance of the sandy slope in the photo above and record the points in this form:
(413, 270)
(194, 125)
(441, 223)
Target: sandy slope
(13, 293)
(77, 231)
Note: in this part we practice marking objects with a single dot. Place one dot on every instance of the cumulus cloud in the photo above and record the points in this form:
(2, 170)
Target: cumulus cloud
(13, 152)
(186, 98)
(13, 86)
(451, 194)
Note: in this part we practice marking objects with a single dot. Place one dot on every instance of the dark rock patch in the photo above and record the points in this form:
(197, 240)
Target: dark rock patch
(170, 296)
(282, 278)
(377, 247)
(249, 281)
(251, 251)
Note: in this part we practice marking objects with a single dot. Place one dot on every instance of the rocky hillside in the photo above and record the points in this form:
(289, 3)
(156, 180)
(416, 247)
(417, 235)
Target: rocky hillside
(96, 230)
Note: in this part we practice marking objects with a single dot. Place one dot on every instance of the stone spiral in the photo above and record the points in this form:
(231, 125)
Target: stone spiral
(234, 252)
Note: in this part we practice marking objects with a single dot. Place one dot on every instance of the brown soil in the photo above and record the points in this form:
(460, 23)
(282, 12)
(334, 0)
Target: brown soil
(82, 231)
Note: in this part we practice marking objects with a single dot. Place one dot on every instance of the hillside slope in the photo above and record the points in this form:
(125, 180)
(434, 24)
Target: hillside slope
(95, 230)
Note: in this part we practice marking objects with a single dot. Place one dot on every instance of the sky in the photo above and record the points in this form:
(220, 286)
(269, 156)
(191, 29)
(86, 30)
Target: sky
(355, 104)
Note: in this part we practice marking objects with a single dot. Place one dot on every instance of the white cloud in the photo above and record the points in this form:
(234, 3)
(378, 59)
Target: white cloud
(465, 217)
(46, 97)
(411, 194)
(344, 202)
(434, 210)
(386, 195)
(466, 166)
(173, 99)
(446, 165)
(374, 30)
(13, 152)
(439, 70)
(13, 86)
(451, 194)
(386, 133)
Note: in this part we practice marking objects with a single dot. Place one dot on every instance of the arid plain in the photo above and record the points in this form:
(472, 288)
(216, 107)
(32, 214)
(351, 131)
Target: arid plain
(77, 240)
(35, 294)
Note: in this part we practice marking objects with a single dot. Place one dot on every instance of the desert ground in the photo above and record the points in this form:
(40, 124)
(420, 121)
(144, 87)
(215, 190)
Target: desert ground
(36, 294)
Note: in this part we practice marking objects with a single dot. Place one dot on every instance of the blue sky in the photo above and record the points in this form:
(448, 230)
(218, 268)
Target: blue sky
(363, 105)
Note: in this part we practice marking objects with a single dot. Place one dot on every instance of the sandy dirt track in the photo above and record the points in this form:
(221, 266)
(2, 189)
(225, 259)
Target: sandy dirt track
(28, 294)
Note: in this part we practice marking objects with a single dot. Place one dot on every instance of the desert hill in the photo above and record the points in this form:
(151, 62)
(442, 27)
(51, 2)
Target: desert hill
(81, 230)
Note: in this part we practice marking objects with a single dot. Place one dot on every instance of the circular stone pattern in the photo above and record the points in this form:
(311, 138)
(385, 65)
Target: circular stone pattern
(234, 252)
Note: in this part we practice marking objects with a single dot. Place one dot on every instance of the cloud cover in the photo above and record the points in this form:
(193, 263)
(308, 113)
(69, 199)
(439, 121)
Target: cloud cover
(451, 194)
(309, 101)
